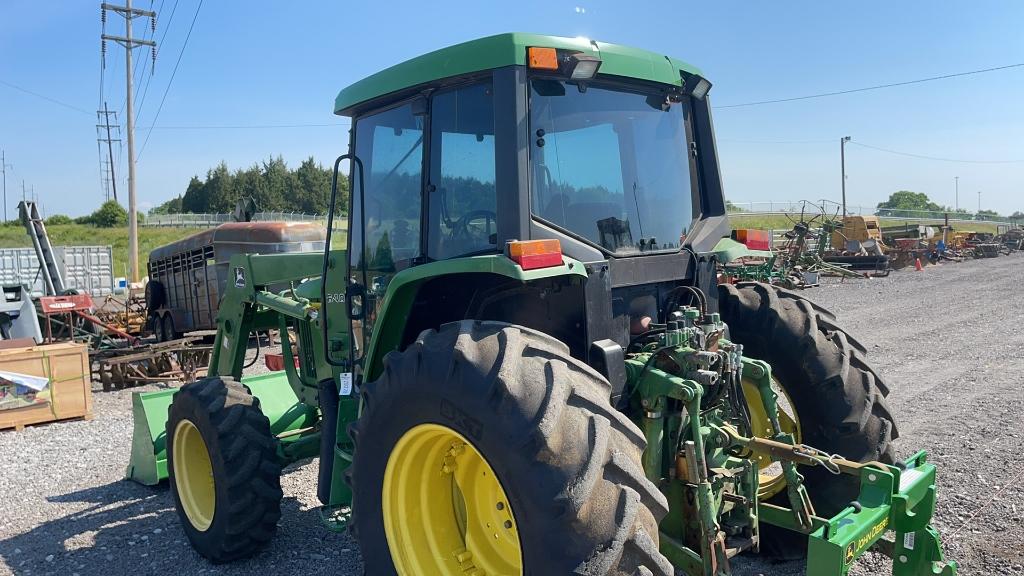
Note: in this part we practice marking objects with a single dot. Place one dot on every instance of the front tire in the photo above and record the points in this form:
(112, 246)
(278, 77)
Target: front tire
(223, 469)
(565, 461)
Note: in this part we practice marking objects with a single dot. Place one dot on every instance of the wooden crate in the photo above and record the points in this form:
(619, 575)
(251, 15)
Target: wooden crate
(67, 367)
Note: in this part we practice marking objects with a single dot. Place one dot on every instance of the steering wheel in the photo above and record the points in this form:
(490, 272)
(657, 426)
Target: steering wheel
(460, 229)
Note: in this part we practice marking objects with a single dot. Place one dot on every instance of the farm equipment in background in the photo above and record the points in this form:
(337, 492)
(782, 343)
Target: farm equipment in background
(1011, 236)
(807, 248)
(856, 244)
(499, 377)
(762, 263)
(183, 361)
(127, 313)
(982, 245)
(18, 318)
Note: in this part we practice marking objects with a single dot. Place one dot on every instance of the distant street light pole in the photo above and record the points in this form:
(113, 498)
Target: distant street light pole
(979, 201)
(956, 193)
(3, 168)
(842, 166)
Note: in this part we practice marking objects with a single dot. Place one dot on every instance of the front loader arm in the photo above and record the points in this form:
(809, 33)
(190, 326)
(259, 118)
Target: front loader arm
(249, 304)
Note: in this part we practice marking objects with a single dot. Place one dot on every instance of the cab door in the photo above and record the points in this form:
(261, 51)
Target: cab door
(384, 234)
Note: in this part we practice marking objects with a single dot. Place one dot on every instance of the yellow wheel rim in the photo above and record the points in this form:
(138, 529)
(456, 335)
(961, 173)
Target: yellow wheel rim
(771, 480)
(193, 475)
(445, 512)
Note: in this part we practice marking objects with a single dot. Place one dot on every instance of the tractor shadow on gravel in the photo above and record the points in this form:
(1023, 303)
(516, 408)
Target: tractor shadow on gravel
(126, 528)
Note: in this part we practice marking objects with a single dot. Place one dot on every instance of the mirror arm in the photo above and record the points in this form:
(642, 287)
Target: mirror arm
(327, 248)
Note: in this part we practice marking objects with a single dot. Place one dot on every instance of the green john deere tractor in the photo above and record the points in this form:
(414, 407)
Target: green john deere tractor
(519, 360)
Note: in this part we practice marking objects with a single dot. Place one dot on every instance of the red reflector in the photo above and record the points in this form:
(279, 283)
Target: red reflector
(539, 261)
(754, 239)
(534, 254)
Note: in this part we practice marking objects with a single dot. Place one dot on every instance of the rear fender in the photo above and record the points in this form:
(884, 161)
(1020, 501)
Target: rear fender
(401, 294)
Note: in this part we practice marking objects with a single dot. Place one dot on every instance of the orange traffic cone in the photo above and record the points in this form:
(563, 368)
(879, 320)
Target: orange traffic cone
(917, 264)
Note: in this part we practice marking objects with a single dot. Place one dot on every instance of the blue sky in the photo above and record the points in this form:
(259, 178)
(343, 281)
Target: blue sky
(260, 63)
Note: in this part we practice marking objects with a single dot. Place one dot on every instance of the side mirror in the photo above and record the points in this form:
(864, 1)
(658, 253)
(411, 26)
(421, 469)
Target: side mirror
(355, 297)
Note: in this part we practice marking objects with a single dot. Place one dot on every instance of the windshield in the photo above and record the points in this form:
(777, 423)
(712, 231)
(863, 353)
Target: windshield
(610, 166)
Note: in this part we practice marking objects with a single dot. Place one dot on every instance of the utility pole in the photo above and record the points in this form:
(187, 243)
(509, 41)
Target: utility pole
(110, 149)
(842, 165)
(3, 168)
(979, 201)
(956, 193)
(130, 44)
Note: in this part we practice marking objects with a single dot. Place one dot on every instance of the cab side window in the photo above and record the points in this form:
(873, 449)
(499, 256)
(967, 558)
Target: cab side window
(462, 202)
(390, 144)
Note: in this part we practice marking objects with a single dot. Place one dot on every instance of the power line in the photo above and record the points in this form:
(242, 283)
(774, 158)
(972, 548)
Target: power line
(167, 26)
(776, 141)
(937, 158)
(47, 98)
(876, 87)
(173, 73)
(241, 126)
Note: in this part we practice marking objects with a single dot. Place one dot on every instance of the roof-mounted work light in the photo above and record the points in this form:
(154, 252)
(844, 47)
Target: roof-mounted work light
(583, 66)
(696, 86)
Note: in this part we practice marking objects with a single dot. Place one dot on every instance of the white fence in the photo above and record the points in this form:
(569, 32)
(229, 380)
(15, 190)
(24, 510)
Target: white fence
(833, 208)
(211, 220)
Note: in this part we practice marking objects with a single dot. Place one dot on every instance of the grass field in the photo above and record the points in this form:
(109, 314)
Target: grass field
(80, 235)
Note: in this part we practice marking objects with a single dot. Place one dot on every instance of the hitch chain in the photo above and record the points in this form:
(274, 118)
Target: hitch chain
(819, 457)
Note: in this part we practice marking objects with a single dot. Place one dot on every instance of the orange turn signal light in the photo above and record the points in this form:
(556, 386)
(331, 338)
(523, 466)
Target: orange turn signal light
(543, 58)
(532, 254)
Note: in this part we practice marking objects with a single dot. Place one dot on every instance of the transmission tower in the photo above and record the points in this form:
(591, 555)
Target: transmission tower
(104, 135)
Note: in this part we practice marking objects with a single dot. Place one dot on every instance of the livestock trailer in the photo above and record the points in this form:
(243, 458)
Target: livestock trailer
(187, 278)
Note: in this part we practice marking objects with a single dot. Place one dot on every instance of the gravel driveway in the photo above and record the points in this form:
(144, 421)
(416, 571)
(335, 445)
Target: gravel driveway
(948, 340)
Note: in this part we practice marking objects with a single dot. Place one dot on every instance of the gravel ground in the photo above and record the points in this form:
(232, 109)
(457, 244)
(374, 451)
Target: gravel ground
(947, 340)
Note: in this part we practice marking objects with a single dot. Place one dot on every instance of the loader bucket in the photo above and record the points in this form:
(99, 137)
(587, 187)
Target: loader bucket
(148, 462)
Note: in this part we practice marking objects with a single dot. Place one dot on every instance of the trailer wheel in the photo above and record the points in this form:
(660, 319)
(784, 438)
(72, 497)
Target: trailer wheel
(223, 469)
(838, 398)
(155, 295)
(486, 448)
(156, 324)
(167, 328)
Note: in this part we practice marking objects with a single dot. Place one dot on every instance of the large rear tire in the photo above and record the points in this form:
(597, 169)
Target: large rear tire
(223, 469)
(838, 397)
(567, 464)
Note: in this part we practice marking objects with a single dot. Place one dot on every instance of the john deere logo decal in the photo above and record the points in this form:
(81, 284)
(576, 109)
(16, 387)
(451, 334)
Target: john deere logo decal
(239, 277)
(865, 541)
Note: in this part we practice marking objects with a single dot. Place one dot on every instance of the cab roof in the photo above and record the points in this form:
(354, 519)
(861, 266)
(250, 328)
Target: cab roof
(507, 50)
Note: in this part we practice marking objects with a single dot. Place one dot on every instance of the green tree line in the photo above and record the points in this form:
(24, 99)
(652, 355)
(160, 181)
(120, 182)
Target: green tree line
(271, 183)
(920, 202)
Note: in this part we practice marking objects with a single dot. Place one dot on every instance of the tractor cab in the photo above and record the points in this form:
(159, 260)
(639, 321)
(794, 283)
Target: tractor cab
(607, 150)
